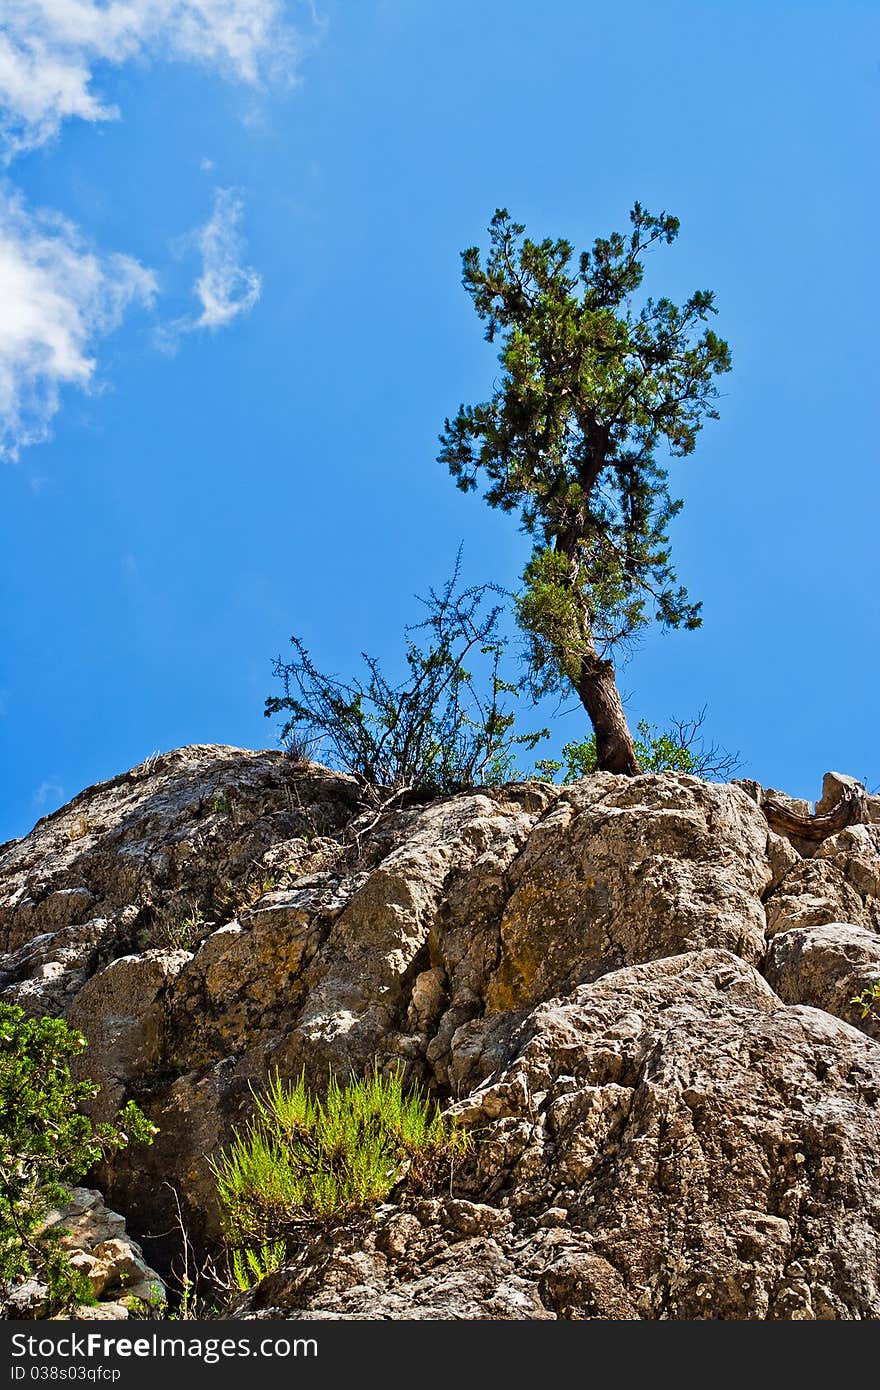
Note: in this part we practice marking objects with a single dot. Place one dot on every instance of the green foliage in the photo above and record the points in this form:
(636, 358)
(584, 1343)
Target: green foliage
(869, 1000)
(590, 389)
(679, 748)
(47, 1144)
(441, 728)
(250, 1266)
(304, 1160)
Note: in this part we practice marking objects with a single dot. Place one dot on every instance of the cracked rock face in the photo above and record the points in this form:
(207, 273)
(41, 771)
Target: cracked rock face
(827, 966)
(628, 870)
(175, 829)
(671, 1141)
(634, 991)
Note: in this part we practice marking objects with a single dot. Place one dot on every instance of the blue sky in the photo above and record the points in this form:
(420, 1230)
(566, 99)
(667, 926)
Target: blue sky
(231, 325)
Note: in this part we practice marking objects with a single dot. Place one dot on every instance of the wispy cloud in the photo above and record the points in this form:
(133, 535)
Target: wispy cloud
(49, 50)
(59, 298)
(226, 286)
(48, 793)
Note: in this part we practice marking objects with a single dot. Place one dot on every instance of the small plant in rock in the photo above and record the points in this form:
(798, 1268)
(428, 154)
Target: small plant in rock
(175, 929)
(309, 1161)
(47, 1144)
(249, 1267)
(868, 1000)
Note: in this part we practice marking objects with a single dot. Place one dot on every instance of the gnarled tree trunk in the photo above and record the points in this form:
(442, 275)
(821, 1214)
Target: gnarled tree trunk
(851, 809)
(597, 691)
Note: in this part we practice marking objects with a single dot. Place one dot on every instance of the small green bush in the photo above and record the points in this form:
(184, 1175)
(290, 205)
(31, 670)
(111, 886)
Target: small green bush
(47, 1144)
(309, 1161)
(676, 749)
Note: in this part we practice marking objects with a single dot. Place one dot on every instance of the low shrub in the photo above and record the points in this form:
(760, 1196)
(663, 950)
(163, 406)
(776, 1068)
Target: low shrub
(447, 724)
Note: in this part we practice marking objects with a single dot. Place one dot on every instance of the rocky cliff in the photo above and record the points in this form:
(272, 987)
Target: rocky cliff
(635, 991)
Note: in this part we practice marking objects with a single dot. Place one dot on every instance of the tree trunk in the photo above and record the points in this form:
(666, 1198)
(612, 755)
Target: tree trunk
(597, 691)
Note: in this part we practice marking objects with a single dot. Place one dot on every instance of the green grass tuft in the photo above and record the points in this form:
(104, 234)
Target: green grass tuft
(305, 1160)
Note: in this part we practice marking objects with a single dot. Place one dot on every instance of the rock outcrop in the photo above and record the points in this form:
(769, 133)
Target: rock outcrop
(636, 991)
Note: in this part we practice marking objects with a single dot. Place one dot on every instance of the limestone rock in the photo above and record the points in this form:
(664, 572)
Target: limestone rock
(101, 1249)
(827, 966)
(834, 786)
(121, 1012)
(856, 853)
(177, 826)
(361, 987)
(814, 893)
(29, 1299)
(781, 856)
(45, 974)
(631, 869)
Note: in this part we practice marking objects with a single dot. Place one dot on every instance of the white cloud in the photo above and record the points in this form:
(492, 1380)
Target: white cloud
(225, 287)
(58, 297)
(49, 50)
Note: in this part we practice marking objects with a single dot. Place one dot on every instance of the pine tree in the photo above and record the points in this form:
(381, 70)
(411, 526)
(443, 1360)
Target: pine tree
(591, 389)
